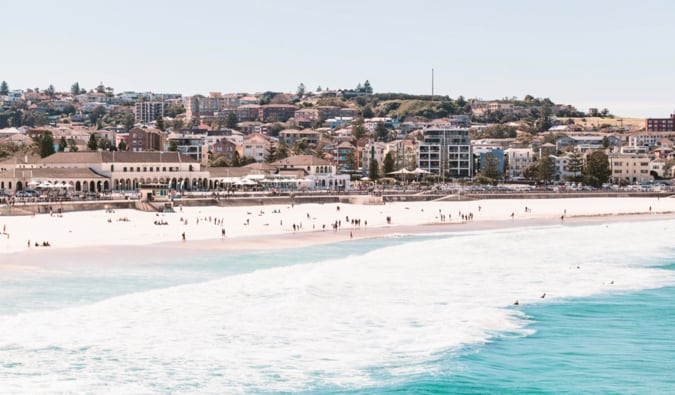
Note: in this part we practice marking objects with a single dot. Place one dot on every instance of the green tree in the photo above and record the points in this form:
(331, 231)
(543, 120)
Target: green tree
(596, 169)
(236, 159)
(388, 163)
(160, 123)
(100, 88)
(271, 154)
(173, 146)
(299, 146)
(367, 112)
(219, 161)
(92, 144)
(231, 121)
(4, 88)
(575, 165)
(75, 88)
(545, 118)
(381, 132)
(605, 142)
(545, 169)
(122, 146)
(282, 150)
(45, 143)
(96, 115)
(301, 90)
(16, 117)
(321, 150)
(491, 169)
(276, 128)
(63, 144)
(51, 91)
(367, 88)
(105, 144)
(373, 169)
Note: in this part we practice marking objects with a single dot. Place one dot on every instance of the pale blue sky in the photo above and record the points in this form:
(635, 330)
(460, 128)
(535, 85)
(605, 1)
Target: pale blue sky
(614, 54)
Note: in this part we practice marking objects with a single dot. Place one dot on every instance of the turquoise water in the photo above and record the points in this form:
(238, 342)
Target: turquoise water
(618, 344)
(425, 314)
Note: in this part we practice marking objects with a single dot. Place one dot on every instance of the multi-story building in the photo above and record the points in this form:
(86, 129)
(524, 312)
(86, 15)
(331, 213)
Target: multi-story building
(404, 152)
(199, 106)
(485, 152)
(649, 138)
(224, 147)
(146, 139)
(248, 112)
(325, 112)
(146, 112)
(255, 146)
(346, 156)
(276, 112)
(446, 152)
(517, 160)
(373, 151)
(290, 136)
(660, 124)
(629, 168)
(189, 145)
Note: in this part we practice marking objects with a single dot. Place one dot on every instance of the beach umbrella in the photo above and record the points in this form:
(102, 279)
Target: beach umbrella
(400, 171)
(420, 171)
(33, 183)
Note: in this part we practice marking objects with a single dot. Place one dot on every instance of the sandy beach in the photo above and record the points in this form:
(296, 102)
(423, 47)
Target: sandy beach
(268, 227)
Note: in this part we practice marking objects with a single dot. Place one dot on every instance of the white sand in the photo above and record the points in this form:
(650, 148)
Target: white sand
(92, 229)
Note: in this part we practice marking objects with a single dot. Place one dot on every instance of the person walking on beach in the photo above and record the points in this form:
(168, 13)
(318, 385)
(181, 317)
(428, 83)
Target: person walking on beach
(183, 235)
(222, 232)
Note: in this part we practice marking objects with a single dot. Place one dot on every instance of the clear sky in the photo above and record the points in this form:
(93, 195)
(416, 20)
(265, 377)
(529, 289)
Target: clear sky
(606, 54)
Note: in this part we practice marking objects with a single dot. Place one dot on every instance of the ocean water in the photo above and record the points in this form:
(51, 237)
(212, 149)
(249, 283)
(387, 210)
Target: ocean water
(423, 314)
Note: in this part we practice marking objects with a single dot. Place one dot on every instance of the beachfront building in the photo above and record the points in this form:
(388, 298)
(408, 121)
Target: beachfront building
(255, 146)
(105, 171)
(446, 152)
(630, 168)
(192, 145)
(517, 160)
(145, 139)
(317, 172)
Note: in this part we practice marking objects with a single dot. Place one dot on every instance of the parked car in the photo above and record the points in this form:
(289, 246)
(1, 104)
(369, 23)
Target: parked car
(27, 193)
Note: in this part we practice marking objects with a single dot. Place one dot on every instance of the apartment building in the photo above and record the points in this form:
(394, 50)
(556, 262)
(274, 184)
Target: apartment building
(660, 124)
(146, 112)
(446, 152)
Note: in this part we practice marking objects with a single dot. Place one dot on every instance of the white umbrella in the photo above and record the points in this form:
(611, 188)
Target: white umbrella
(420, 171)
(34, 183)
(401, 171)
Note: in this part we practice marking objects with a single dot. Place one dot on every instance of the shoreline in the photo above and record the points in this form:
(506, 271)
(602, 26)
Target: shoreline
(163, 250)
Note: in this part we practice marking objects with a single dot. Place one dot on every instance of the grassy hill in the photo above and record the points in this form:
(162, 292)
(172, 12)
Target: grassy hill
(634, 123)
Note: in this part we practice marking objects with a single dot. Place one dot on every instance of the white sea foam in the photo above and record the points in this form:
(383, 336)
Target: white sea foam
(331, 323)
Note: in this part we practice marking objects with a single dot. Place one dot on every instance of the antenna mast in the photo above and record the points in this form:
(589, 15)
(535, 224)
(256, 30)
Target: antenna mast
(432, 84)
